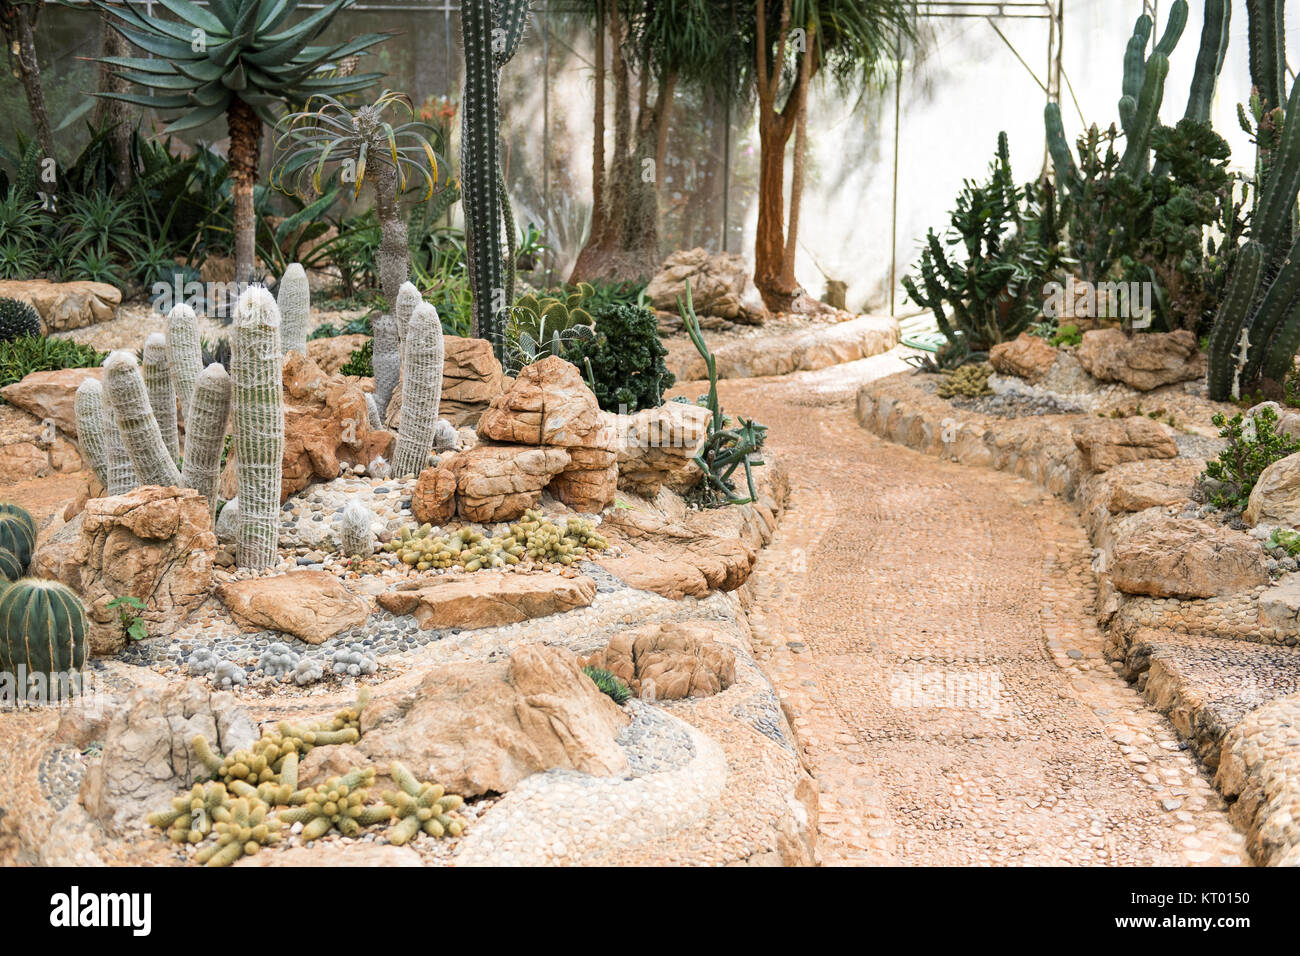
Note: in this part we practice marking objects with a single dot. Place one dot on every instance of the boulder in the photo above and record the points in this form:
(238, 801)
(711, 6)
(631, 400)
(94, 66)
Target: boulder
(57, 558)
(501, 482)
(65, 305)
(1139, 494)
(482, 727)
(312, 606)
(26, 453)
(488, 598)
(656, 447)
(434, 498)
(471, 378)
(1027, 356)
(1275, 499)
(671, 558)
(805, 350)
(331, 354)
(1279, 605)
(50, 395)
(669, 661)
(1288, 419)
(1142, 361)
(548, 404)
(720, 283)
(590, 479)
(1162, 556)
(152, 543)
(1106, 442)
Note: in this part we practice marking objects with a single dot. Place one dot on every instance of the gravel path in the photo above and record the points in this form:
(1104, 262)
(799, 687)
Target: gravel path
(929, 628)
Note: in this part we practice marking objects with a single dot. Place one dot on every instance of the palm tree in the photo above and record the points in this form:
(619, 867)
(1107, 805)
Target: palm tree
(18, 19)
(235, 58)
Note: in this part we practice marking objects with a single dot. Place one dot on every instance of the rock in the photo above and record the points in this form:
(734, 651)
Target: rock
(147, 756)
(1106, 442)
(471, 378)
(483, 727)
(1027, 356)
(489, 598)
(313, 606)
(671, 660)
(590, 479)
(152, 543)
(51, 395)
(673, 560)
(336, 855)
(548, 404)
(1163, 556)
(26, 454)
(1279, 605)
(331, 354)
(656, 447)
(1137, 486)
(57, 558)
(434, 498)
(1275, 499)
(500, 482)
(1288, 419)
(720, 283)
(65, 305)
(1142, 361)
(802, 351)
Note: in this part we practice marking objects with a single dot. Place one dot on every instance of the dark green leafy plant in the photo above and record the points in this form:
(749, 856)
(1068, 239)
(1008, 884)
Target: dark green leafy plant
(23, 356)
(624, 362)
(1253, 444)
(128, 614)
(608, 684)
(360, 362)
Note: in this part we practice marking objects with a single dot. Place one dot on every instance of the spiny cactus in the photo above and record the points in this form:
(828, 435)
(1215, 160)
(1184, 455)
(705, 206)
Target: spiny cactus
(185, 353)
(42, 628)
(336, 804)
(205, 433)
(1209, 59)
(969, 381)
(373, 417)
(124, 388)
(294, 300)
(357, 538)
(422, 358)
(385, 359)
(11, 568)
(268, 770)
(18, 320)
(242, 829)
(162, 393)
(408, 297)
(420, 806)
(258, 402)
(17, 532)
(92, 431)
(343, 728)
(189, 819)
(533, 536)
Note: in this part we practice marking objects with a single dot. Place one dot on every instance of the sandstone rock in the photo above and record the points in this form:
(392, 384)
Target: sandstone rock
(51, 395)
(1027, 356)
(1163, 556)
(482, 727)
(434, 497)
(26, 454)
(656, 446)
(1275, 499)
(489, 599)
(313, 606)
(672, 559)
(57, 558)
(501, 482)
(670, 661)
(1106, 442)
(471, 378)
(1288, 419)
(335, 760)
(153, 543)
(548, 404)
(802, 351)
(1279, 605)
(1170, 485)
(65, 305)
(331, 354)
(1142, 361)
(336, 855)
(590, 479)
(720, 283)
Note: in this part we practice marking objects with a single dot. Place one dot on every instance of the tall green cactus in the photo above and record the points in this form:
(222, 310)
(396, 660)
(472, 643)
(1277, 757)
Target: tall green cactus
(92, 431)
(293, 298)
(205, 433)
(125, 390)
(1209, 59)
(185, 352)
(1267, 42)
(256, 371)
(162, 393)
(42, 629)
(421, 391)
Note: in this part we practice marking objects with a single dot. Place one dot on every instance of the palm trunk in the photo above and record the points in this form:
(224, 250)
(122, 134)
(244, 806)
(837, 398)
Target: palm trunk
(245, 153)
(587, 255)
(797, 170)
(114, 112)
(394, 256)
(18, 20)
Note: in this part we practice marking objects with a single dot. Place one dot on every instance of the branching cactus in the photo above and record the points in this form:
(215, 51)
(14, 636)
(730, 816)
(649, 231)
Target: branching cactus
(92, 430)
(162, 394)
(185, 352)
(294, 301)
(205, 434)
(355, 534)
(408, 297)
(386, 359)
(129, 399)
(258, 402)
(421, 391)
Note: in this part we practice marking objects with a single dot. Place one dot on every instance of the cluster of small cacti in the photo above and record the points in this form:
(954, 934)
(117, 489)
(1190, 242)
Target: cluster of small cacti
(337, 804)
(278, 660)
(307, 671)
(420, 806)
(968, 381)
(18, 320)
(356, 534)
(533, 536)
(202, 662)
(549, 543)
(343, 728)
(228, 675)
(353, 661)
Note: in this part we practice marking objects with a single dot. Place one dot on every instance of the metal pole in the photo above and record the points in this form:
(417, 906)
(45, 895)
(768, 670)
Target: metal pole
(893, 212)
(546, 130)
(726, 171)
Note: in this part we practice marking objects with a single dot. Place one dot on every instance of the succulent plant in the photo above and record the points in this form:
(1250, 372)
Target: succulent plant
(353, 661)
(242, 828)
(355, 534)
(343, 728)
(969, 381)
(419, 806)
(17, 532)
(185, 354)
(157, 371)
(540, 327)
(18, 320)
(533, 536)
(202, 661)
(293, 297)
(127, 396)
(278, 660)
(408, 297)
(205, 433)
(608, 684)
(385, 359)
(93, 436)
(307, 671)
(422, 359)
(337, 804)
(43, 627)
(190, 818)
(11, 569)
(228, 674)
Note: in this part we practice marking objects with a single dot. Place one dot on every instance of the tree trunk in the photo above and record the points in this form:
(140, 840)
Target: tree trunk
(797, 166)
(586, 255)
(245, 152)
(114, 113)
(394, 255)
(18, 20)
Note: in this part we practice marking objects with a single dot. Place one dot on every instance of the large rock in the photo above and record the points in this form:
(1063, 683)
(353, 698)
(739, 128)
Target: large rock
(147, 758)
(1279, 605)
(1027, 356)
(483, 727)
(489, 598)
(1163, 556)
(1275, 499)
(548, 404)
(720, 283)
(434, 498)
(1106, 442)
(26, 453)
(331, 354)
(590, 479)
(51, 395)
(672, 559)
(806, 350)
(65, 305)
(58, 557)
(501, 482)
(669, 661)
(1142, 361)
(656, 447)
(471, 378)
(152, 543)
(310, 605)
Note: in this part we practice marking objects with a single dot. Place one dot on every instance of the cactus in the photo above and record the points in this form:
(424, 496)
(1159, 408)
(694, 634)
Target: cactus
(1209, 59)
(373, 418)
(408, 297)
(242, 829)
(422, 359)
(268, 770)
(18, 320)
(343, 728)
(92, 432)
(162, 393)
(385, 359)
(127, 396)
(1267, 42)
(293, 298)
(189, 818)
(205, 433)
(11, 569)
(17, 534)
(42, 628)
(258, 403)
(357, 538)
(185, 352)
(533, 536)
(337, 804)
(420, 806)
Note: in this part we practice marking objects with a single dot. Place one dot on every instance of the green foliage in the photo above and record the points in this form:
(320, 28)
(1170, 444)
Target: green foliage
(1067, 334)
(1253, 444)
(624, 363)
(969, 381)
(21, 357)
(18, 320)
(1286, 539)
(608, 684)
(128, 614)
(541, 326)
(43, 626)
(357, 326)
(359, 363)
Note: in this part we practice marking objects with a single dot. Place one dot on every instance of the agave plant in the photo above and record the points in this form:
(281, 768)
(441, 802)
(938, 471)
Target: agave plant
(351, 141)
(236, 58)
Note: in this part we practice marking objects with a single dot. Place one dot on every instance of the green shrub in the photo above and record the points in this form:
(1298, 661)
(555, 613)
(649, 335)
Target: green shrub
(624, 363)
(1253, 445)
(608, 684)
(23, 356)
(360, 362)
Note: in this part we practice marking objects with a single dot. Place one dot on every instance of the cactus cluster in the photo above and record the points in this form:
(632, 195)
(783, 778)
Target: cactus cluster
(969, 381)
(242, 828)
(157, 374)
(189, 819)
(420, 806)
(205, 433)
(337, 804)
(533, 536)
(184, 354)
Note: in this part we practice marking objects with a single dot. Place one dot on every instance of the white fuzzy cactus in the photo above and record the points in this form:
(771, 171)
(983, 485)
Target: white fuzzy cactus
(421, 391)
(162, 393)
(126, 395)
(373, 417)
(205, 434)
(92, 431)
(408, 297)
(386, 358)
(293, 298)
(444, 436)
(121, 473)
(355, 532)
(258, 400)
(185, 352)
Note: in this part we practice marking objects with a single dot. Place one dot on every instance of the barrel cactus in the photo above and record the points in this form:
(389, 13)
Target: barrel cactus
(185, 353)
(42, 628)
(92, 430)
(422, 358)
(11, 568)
(293, 298)
(355, 534)
(157, 370)
(128, 397)
(18, 320)
(205, 433)
(17, 532)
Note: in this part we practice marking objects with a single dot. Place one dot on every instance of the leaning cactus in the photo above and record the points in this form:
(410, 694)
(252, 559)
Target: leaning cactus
(357, 538)
(42, 628)
(129, 399)
(385, 359)
(293, 298)
(258, 403)
(162, 393)
(421, 391)
(185, 352)
(205, 433)
(92, 431)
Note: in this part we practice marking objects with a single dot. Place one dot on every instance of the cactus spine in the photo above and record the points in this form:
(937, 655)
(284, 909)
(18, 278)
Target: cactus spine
(293, 298)
(162, 393)
(127, 396)
(385, 358)
(258, 402)
(205, 433)
(185, 352)
(92, 432)
(421, 391)
(42, 628)
(355, 535)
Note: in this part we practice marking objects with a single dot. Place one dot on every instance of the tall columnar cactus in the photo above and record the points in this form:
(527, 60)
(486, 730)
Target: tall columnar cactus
(355, 534)
(294, 301)
(258, 402)
(1209, 59)
(205, 433)
(421, 391)
(408, 297)
(185, 352)
(128, 398)
(92, 430)
(121, 473)
(42, 628)
(385, 359)
(1267, 41)
(162, 393)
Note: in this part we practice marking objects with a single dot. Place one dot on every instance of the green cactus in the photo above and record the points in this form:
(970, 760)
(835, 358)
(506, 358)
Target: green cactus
(337, 804)
(969, 381)
(422, 360)
(205, 433)
(93, 436)
(162, 392)
(420, 806)
(242, 828)
(17, 532)
(11, 569)
(125, 390)
(18, 320)
(189, 820)
(539, 327)
(1267, 44)
(1209, 59)
(293, 297)
(533, 536)
(185, 353)
(42, 628)
(343, 728)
